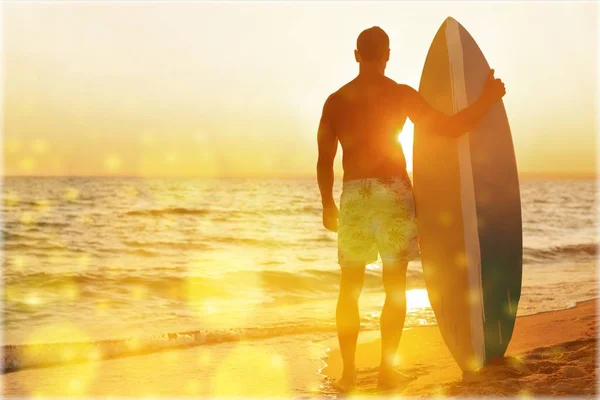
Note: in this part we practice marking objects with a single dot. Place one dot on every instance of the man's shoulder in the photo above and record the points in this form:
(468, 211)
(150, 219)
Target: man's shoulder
(343, 91)
(404, 88)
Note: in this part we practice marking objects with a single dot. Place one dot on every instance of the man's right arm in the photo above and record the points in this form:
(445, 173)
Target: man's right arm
(422, 114)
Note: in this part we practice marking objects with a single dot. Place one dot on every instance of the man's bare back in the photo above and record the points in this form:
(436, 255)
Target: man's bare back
(367, 115)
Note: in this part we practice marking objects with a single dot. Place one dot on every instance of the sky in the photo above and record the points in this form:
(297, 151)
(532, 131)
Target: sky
(218, 89)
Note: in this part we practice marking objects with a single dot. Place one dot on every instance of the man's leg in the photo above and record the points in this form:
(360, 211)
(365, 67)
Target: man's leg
(348, 320)
(392, 318)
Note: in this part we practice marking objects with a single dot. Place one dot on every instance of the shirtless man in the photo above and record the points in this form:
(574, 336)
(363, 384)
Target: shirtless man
(377, 203)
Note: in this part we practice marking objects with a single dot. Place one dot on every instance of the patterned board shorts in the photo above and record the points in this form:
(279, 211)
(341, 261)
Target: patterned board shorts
(377, 215)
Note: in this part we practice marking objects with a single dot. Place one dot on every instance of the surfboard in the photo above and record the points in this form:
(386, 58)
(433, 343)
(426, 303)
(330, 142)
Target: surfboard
(468, 207)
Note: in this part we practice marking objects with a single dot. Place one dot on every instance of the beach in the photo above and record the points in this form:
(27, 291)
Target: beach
(552, 353)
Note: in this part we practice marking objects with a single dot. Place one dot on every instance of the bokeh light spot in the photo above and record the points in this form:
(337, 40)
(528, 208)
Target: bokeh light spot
(27, 164)
(27, 218)
(113, 162)
(39, 146)
(11, 198)
(71, 194)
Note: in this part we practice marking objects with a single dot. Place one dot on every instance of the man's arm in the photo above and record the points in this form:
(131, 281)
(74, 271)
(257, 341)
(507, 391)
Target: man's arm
(328, 142)
(421, 113)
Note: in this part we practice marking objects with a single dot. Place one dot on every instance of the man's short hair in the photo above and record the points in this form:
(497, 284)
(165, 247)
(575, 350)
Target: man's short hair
(373, 43)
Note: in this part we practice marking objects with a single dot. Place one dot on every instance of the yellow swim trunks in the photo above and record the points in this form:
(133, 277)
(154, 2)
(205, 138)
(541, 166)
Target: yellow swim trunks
(377, 214)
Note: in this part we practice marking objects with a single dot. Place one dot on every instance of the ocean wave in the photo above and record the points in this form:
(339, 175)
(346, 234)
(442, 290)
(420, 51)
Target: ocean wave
(169, 211)
(175, 284)
(258, 242)
(224, 215)
(37, 247)
(29, 356)
(6, 235)
(570, 251)
(150, 245)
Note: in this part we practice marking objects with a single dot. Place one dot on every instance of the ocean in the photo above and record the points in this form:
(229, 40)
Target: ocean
(130, 265)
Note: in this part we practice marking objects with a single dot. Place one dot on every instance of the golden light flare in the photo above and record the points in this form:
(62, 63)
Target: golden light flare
(113, 162)
(71, 194)
(27, 218)
(525, 394)
(237, 374)
(22, 293)
(42, 206)
(38, 395)
(313, 387)
(78, 379)
(28, 164)
(11, 198)
(18, 261)
(138, 292)
(32, 299)
(417, 299)
(406, 140)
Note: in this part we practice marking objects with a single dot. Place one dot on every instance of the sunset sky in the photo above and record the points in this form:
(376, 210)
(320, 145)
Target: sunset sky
(236, 89)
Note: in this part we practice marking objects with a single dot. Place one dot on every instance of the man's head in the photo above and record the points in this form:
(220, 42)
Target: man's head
(373, 48)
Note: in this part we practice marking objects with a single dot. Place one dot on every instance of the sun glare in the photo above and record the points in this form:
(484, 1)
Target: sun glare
(417, 298)
(405, 137)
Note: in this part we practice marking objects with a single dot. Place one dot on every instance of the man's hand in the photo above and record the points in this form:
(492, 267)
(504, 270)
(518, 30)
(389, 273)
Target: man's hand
(493, 89)
(330, 217)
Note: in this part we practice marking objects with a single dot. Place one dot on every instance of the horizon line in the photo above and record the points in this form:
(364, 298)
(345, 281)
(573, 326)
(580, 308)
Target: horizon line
(581, 176)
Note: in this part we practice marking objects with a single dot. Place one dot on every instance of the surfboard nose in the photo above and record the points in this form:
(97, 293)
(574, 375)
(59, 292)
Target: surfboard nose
(450, 19)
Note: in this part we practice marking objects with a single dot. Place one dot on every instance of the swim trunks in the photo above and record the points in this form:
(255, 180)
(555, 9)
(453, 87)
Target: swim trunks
(377, 215)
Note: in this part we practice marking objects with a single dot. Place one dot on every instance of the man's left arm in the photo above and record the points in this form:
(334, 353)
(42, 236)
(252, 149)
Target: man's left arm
(328, 143)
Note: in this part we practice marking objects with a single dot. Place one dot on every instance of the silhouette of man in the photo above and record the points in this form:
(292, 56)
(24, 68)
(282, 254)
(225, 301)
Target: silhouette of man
(377, 203)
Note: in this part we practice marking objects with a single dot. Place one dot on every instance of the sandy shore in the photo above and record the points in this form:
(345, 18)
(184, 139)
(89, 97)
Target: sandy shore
(550, 354)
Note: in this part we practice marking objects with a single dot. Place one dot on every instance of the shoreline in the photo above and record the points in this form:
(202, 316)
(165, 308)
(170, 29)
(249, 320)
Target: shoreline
(551, 353)
(556, 347)
(164, 342)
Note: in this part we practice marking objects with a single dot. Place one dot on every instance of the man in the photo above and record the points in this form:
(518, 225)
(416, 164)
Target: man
(377, 203)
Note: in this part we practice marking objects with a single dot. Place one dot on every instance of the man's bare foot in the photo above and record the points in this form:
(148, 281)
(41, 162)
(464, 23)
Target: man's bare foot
(346, 383)
(389, 378)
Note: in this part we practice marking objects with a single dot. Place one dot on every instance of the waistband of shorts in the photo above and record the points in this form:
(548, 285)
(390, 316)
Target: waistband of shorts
(377, 181)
